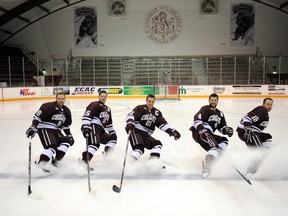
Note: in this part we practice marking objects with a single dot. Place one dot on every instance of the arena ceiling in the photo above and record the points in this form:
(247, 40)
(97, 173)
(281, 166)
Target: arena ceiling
(16, 15)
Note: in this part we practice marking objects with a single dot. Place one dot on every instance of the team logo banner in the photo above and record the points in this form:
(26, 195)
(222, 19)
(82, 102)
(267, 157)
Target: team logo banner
(85, 27)
(242, 24)
(162, 24)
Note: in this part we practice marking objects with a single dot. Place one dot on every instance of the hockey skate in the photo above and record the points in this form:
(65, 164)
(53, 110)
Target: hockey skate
(155, 166)
(43, 167)
(251, 171)
(107, 154)
(206, 170)
(84, 164)
(54, 162)
(253, 167)
(207, 165)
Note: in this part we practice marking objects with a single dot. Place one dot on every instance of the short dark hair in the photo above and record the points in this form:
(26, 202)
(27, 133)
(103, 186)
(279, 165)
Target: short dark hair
(265, 99)
(150, 96)
(102, 91)
(60, 93)
(214, 95)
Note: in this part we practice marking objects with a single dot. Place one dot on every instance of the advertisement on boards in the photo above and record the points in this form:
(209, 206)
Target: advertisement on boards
(138, 90)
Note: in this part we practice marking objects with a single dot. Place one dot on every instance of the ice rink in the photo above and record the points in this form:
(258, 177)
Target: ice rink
(179, 191)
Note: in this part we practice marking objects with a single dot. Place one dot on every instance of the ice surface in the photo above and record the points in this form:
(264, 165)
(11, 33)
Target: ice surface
(179, 191)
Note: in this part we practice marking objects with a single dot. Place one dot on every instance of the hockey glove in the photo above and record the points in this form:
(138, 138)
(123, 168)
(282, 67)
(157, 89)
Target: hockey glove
(32, 130)
(175, 134)
(229, 131)
(70, 139)
(86, 130)
(130, 126)
(248, 135)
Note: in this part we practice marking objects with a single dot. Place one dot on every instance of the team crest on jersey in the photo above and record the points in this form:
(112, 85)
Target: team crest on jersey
(162, 24)
(59, 117)
(104, 116)
(214, 118)
(148, 117)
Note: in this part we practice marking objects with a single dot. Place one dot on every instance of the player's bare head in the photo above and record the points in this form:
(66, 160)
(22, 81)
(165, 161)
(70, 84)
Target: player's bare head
(60, 98)
(150, 100)
(103, 96)
(213, 100)
(268, 103)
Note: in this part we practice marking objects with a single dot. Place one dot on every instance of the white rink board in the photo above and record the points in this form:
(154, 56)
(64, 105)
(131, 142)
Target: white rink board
(19, 93)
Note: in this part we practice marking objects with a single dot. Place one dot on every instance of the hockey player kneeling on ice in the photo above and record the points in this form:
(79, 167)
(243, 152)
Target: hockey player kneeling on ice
(48, 122)
(250, 131)
(97, 127)
(141, 123)
(206, 121)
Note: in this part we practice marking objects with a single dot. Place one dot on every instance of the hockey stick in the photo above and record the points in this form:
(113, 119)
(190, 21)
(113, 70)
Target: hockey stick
(29, 168)
(212, 144)
(115, 188)
(246, 179)
(88, 165)
(30, 194)
(92, 192)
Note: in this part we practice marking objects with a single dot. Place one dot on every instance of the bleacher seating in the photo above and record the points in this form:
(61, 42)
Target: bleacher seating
(16, 68)
(214, 70)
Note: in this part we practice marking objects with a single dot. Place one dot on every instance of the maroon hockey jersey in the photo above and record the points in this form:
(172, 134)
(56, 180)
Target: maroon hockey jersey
(146, 120)
(100, 114)
(51, 116)
(210, 119)
(258, 119)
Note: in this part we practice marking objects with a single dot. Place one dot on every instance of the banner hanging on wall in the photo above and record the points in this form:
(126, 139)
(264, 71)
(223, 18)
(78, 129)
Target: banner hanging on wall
(162, 24)
(242, 24)
(85, 27)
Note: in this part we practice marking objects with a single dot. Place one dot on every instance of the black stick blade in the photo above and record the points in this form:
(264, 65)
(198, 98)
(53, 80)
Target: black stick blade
(29, 190)
(246, 179)
(116, 189)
